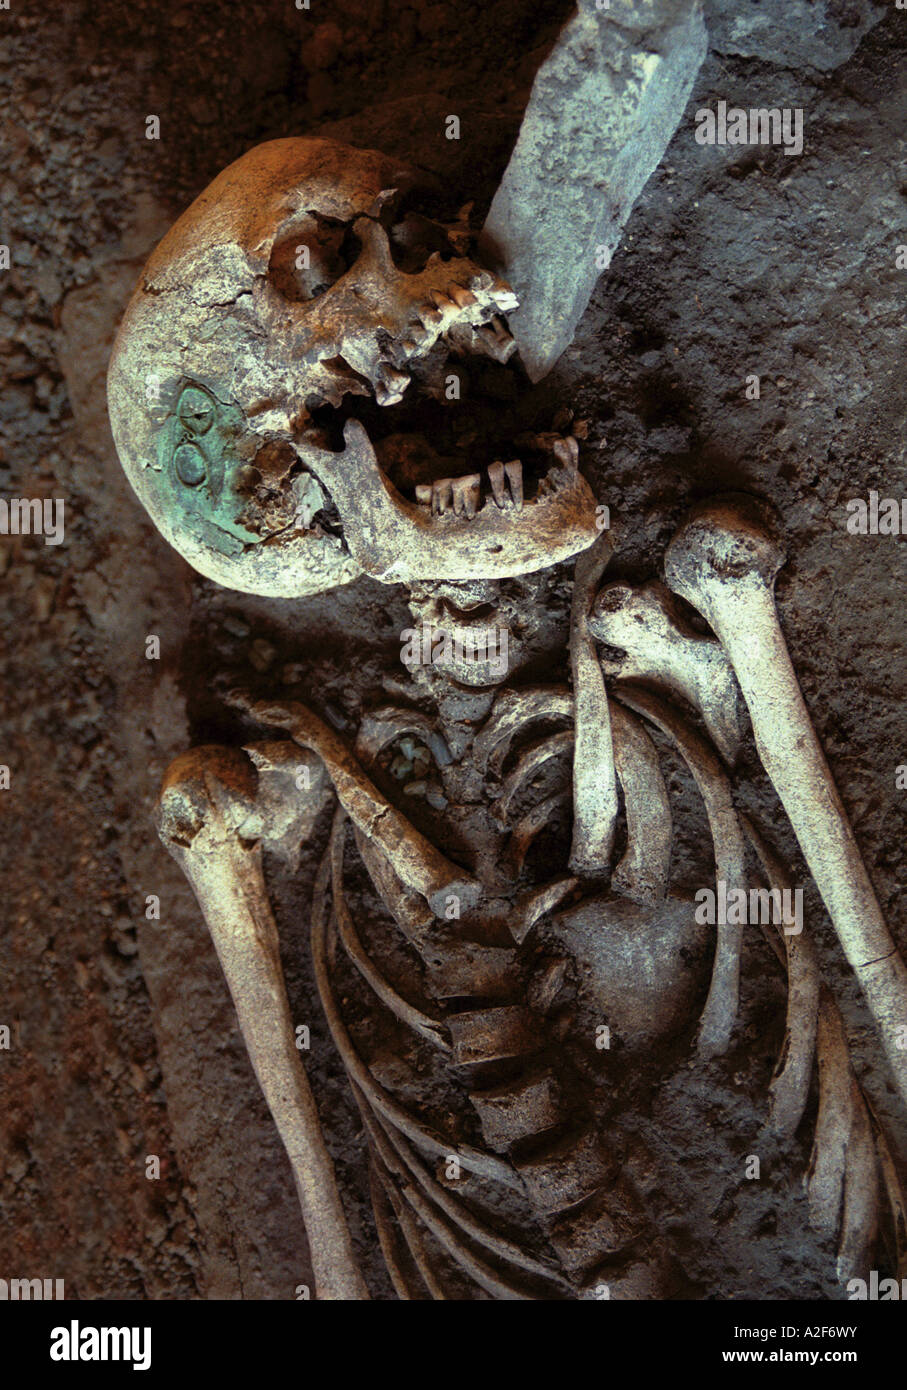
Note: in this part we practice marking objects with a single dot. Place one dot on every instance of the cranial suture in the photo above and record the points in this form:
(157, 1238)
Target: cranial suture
(307, 295)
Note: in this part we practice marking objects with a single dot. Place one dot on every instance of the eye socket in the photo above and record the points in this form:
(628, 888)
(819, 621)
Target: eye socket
(312, 258)
(189, 464)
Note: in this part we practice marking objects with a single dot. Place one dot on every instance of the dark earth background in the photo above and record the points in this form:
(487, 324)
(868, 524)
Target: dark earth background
(735, 261)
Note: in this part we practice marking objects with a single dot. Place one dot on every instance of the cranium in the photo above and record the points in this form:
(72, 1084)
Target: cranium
(301, 286)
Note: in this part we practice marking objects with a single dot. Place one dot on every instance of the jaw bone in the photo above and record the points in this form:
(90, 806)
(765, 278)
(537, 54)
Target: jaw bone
(394, 540)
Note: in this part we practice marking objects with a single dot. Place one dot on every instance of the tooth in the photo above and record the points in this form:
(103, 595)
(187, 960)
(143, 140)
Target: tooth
(566, 451)
(462, 297)
(496, 341)
(440, 300)
(467, 494)
(514, 471)
(423, 494)
(504, 298)
(390, 384)
(462, 336)
(498, 486)
(409, 346)
(442, 496)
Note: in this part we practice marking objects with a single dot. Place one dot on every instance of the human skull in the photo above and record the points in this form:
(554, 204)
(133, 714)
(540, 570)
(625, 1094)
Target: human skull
(300, 286)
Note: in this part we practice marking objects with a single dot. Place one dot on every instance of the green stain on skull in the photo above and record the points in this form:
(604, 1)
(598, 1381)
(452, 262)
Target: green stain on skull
(199, 463)
(189, 465)
(195, 410)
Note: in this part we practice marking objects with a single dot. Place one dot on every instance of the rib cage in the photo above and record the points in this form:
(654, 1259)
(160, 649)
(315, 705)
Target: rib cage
(533, 1143)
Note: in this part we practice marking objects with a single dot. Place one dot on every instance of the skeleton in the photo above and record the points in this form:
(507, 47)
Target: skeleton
(297, 303)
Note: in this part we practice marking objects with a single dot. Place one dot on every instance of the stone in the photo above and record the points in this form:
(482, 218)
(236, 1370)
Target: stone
(603, 109)
(794, 34)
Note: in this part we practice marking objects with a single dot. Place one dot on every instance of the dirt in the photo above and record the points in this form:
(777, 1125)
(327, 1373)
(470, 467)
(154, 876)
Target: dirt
(735, 261)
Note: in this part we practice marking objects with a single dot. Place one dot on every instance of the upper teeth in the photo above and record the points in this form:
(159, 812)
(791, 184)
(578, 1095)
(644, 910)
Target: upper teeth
(463, 298)
(390, 384)
(566, 451)
(490, 339)
(505, 299)
(498, 339)
(461, 314)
